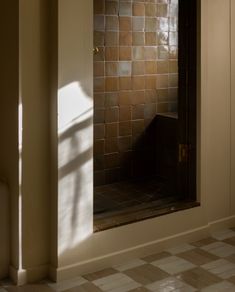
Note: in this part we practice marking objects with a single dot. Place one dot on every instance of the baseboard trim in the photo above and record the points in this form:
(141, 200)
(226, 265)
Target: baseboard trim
(37, 273)
(32, 275)
(148, 248)
(222, 223)
(18, 276)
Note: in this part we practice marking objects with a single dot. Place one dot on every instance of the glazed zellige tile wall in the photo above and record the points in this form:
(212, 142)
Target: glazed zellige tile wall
(135, 77)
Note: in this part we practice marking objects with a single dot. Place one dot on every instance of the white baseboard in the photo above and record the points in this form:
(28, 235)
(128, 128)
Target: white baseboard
(130, 253)
(32, 275)
(60, 274)
(148, 248)
(19, 277)
(222, 223)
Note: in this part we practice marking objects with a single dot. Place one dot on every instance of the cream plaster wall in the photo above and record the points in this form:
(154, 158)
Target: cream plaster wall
(9, 95)
(214, 159)
(217, 102)
(73, 247)
(232, 106)
(5, 230)
(75, 128)
(53, 79)
(34, 82)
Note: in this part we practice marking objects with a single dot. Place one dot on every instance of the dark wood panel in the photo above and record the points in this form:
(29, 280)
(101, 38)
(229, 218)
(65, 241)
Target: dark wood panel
(187, 100)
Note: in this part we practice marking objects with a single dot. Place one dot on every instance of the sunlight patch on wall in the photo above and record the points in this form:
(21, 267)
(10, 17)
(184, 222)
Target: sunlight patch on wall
(75, 114)
(73, 104)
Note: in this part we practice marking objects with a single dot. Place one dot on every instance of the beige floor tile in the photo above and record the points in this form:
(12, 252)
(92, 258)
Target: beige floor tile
(231, 258)
(140, 289)
(180, 248)
(100, 274)
(223, 234)
(157, 256)
(198, 257)
(170, 284)
(173, 265)
(220, 249)
(220, 287)
(87, 287)
(116, 283)
(230, 241)
(31, 288)
(232, 280)
(221, 268)
(129, 265)
(67, 284)
(203, 242)
(146, 274)
(198, 278)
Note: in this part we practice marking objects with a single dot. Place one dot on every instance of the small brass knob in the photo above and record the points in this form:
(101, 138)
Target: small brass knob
(96, 50)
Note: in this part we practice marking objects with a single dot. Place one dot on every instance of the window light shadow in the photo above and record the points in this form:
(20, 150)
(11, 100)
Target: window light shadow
(75, 153)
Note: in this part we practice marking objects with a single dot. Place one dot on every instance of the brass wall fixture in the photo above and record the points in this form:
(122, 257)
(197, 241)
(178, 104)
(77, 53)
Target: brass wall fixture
(96, 50)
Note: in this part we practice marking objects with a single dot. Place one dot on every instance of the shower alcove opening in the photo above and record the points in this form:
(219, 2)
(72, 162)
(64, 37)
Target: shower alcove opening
(145, 57)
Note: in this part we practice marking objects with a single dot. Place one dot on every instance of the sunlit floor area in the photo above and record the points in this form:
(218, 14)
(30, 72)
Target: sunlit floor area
(207, 265)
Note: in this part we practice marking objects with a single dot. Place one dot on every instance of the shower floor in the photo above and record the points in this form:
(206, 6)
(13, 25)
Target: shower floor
(130, 193)
(128, 201)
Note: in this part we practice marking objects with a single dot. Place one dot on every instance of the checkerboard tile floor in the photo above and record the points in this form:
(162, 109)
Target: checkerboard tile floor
(207, 265)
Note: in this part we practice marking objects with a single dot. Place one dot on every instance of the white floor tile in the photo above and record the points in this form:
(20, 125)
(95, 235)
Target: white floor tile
(186, 288)
(68, 284)
(173, 265)
(223, 234)
(116, 283)
(220, 287)
(221, 268)
(170, 284)
(180, 248)
(126, 287)
(220, 249)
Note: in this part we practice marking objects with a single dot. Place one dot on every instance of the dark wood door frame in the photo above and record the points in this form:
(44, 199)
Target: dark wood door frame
(187, 97)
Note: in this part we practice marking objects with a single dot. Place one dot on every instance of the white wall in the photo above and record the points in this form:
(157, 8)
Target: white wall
(5, 230)
(35, 189)
(9, 96)
(23, 31)
(217, 104)
(75, 129)
(232, 108)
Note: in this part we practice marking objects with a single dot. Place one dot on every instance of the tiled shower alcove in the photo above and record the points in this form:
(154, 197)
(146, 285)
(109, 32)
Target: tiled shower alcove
(135, 79)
